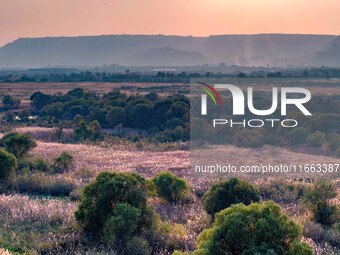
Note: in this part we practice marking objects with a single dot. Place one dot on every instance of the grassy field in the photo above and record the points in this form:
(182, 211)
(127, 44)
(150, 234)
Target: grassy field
(40, 224)
(25, 90)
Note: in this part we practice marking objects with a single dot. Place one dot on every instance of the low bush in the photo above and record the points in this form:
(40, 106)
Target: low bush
(123, 225)
(317, 198)
(8, 165)
(316, 139)
(254, 229)
(42, 184)
(170, 187)
(281, 191)
(108, 190)
(32, 164)
(62, 163)
(138, 246)
(225, 194)
(18, 144)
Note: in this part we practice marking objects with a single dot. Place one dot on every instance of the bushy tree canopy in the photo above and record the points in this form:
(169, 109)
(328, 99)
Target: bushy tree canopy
(8, 164)
(18, 144)
(100, 198)
(170, 187)
(224, 194)
(254, 229)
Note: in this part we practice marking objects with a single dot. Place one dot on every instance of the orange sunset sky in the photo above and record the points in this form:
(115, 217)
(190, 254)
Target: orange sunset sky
(39, 18)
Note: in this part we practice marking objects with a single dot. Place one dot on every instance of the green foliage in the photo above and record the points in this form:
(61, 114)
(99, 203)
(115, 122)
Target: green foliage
(316, 139)
(62, 163)
(31, 164)
(42, 184)
(281, 192)
(318, 199)
(250, 138)
(225, 194)
(101, 197)
(8, 164)
(92, 131)
(337, 152)
(254, 229)
(95, 131)
(298, 136)
(9, 102)
(297, 248)
(170, 187)
(115, 116)
(333, 140)
(138, 246)
(150, 113)
(125, 223)
(18, 144)
(139, 115)
(81, 132)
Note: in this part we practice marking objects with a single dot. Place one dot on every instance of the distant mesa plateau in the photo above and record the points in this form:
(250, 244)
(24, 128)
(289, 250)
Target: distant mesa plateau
(278, 50)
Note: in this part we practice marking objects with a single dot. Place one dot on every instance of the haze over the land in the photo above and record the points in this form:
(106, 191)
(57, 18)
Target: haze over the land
(40, 33)
(40, 18)
(158, 50)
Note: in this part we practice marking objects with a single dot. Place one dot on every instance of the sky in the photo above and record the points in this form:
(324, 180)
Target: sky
(40, 18)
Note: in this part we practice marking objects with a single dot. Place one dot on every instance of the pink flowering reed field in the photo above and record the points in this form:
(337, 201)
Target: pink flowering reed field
(148, 163)
(48, 223)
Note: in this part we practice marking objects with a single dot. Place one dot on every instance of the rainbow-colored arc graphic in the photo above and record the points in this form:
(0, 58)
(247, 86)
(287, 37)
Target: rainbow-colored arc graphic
(211, 91)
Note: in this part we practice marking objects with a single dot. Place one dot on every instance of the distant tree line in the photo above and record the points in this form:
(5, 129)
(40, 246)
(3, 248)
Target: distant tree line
(164, 77)
(165, 117)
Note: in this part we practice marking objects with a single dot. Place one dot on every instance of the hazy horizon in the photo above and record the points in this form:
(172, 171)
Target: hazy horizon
(197, 18)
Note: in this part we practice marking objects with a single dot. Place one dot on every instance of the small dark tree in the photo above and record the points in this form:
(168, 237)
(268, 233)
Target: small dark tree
(225, 194)
(9, 102)
(63, 162)
(95, 130)
(8, 164)
(18, 144)
(81, 132)
(170, 187)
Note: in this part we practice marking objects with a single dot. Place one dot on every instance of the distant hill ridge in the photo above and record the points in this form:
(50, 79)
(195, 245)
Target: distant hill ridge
(158, 50)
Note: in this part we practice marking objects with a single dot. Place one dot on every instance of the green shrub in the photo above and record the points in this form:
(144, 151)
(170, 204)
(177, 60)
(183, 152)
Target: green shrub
(18, 144)
(41, 165)
(138, 246)
(8, 165)
(170, 187)
(333, 140)
(316, 139)
(125, 223)
(81, 132)
(281, 191)
(42, 184)
(115, 116)
(314, 231)
(318, 199)
(101, 197)
(31, 164)
(254, 229)
(224, 194)
(337, 152)
(298, 136)
(62, 163)
(95, 131)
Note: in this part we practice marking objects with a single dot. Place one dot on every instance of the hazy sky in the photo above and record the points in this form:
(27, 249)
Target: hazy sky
(38, 18)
